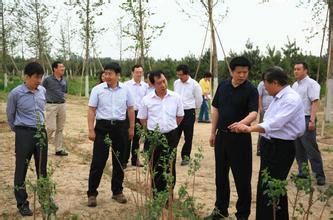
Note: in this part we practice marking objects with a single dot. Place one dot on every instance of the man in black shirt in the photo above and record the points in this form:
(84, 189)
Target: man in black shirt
(235, 102)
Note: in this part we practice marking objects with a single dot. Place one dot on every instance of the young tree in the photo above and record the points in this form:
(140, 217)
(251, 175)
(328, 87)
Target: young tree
(87, 10)
(139, 29)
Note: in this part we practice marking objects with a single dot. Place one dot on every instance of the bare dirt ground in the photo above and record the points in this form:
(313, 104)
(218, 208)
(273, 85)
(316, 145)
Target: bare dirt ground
(71, 174)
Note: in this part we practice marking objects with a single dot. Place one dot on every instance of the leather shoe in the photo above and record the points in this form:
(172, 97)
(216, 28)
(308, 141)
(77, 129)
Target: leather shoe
(120, 198)
(92, 202)
(61, 153)
(184, 162)
(320, 182)
(25, 210)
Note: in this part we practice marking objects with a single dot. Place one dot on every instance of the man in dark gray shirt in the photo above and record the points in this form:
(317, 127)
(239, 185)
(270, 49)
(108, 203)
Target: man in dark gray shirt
(56, 88)
(25, 110)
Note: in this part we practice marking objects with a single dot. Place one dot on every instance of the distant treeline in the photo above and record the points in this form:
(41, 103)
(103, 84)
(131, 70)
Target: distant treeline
(261, 60)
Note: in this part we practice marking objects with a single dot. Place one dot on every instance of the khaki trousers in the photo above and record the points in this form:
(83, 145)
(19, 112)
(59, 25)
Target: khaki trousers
(55, 122)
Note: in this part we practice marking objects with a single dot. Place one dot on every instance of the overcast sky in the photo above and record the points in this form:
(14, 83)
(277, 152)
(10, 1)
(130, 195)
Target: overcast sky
(270, 23)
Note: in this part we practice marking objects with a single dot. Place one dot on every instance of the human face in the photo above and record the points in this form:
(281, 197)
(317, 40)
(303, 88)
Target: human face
(137, 74)
(161, 84)
(183, 77)
(33, 81)
(60, 70)
(300, 72)
(239, 75)
(271, 88)
(110, 76)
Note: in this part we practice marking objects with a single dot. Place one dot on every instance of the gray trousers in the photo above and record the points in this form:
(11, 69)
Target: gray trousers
(307, 149)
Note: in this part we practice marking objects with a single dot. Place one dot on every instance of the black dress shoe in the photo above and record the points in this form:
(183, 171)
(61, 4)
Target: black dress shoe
(61, 153)
(25, 210)
(320, 182)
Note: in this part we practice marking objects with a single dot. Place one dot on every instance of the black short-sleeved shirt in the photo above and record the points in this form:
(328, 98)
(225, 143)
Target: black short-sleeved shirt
(234, 103)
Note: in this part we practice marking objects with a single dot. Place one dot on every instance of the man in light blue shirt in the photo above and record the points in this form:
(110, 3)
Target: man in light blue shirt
(283, 123)
(25, 110)
(108, 103)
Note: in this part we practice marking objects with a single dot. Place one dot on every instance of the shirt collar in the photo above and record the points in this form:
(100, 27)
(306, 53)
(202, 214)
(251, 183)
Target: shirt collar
(187, 81)
(282, 92)
(135, 83)
(156, 96)
(27, 90)
(56, 78)
(119, 85)
(303, 80)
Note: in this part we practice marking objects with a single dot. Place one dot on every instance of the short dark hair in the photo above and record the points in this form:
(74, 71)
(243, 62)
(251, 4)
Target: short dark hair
(33, 68)
(184, 68)
(305, 65)
(276, 73)
(207, 74)
(153, 74)
(113, 66)
(55, 65)
(239, 61)
(136, 66)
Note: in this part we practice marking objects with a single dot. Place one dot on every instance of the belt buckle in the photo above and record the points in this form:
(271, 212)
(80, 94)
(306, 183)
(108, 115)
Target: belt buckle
(113, 122)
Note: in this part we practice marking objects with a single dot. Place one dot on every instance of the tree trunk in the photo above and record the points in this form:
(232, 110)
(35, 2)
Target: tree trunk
(87, 30)
(329, 81)
(214, 56)
(141, 34)
(3, 35)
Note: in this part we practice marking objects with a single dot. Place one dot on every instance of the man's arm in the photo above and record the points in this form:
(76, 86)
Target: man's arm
(246, 121)
(91, 120)
(131, 118)
(314, 109)
(11, 110)
(198, 95)
(215, 118)
(179, 119)
(261, 108)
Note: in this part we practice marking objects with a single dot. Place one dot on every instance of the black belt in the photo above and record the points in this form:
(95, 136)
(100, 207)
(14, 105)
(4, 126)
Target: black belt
(27, 128)
(112, 122)
(189, 110)
(55, 102)
(275, 140)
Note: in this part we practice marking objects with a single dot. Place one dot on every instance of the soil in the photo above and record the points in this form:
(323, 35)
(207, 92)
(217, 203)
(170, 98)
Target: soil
(71, 174)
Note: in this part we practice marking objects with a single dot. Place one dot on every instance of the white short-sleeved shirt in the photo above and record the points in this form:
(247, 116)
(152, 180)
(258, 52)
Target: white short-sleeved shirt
(284, 118)
(309, 90)
(161, 112)
(138, 90)
(190, 93)
(111, 104)
(266, 98)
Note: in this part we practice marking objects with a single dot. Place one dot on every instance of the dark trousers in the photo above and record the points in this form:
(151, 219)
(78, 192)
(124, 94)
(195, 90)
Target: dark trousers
(25, 147)
(118, 133)
(157, 154)
(307, 149)
(134, 145)
(186, 126)
(233, 151)
(277, 156)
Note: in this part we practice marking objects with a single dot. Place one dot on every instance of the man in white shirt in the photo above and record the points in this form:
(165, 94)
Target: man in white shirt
(108, 104)
(283, 123)
(139, 89)
(161, 109)
(306, 146)
(190, 93)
